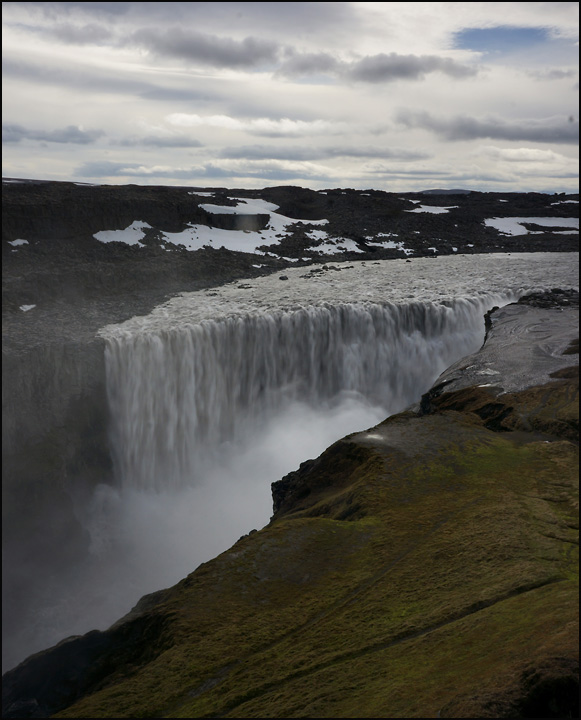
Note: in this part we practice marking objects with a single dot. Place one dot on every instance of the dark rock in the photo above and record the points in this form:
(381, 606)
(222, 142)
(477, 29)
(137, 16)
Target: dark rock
(24, 709)
(550, 690)
(51, 680)
(302, 488)
(510, 403)
(552, 299)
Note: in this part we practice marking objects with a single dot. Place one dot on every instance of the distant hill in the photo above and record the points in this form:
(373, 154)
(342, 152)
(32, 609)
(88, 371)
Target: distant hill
(442, 191)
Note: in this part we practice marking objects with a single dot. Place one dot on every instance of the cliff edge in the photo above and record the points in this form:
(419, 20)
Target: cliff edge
(427, 567)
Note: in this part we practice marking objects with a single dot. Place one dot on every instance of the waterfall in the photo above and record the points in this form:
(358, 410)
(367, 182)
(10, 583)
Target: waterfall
(205, 415)
(211, 397)
(181, 398)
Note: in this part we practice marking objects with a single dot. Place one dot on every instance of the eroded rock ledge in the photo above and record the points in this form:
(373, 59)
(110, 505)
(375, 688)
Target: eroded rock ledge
(427, 567)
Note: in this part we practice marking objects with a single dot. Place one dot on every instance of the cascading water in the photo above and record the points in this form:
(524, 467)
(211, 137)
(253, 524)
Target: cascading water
(216, 394)
(180, 398)
(204, 416)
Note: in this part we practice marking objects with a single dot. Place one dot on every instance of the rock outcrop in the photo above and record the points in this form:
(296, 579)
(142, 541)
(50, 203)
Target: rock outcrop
(427, 567)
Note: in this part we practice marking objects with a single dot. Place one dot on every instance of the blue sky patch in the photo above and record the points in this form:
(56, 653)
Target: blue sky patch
(500, 39)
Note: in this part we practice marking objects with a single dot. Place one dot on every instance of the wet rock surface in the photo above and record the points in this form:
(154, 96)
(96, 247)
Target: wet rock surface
(527, 344)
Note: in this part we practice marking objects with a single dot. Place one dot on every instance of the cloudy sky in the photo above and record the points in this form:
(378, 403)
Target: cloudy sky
(394, 96)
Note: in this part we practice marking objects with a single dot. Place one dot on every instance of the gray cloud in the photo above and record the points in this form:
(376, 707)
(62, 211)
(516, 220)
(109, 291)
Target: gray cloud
(374, 68)
(282, 127)
(549, 130)
(555, 74)
(387, 68)
(213, 49)
(301, 64)
(71, 134)
(104, 169)
(98, 81)
(265, 173)
(407, 173)
(265, 152)
(57, 9)
(306, 154)
(175, 141)
(81, 34)
(293, 17)
(380, 153)
(207, 49)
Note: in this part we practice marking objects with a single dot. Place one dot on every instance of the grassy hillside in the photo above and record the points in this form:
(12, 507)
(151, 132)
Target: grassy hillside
(425, 568)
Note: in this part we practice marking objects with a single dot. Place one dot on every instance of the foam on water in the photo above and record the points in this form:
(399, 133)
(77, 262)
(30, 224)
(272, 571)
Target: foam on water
(396, 281)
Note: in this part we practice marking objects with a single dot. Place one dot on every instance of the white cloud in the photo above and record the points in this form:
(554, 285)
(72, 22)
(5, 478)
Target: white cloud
(267, 127)
(524, 154)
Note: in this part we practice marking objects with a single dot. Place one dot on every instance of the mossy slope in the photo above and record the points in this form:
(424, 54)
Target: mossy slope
(437, 578)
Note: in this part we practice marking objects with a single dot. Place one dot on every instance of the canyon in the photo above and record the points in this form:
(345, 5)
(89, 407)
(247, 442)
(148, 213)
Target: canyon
(138, 356)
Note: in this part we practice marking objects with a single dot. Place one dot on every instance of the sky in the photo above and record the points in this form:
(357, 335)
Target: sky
(391, 96)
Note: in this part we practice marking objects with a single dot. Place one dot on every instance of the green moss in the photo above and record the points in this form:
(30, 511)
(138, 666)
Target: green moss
(456, 575)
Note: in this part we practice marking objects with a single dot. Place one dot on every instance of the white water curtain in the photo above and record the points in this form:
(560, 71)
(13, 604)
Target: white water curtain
(178, 398)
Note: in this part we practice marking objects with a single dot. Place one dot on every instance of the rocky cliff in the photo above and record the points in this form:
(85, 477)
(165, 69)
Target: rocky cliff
(427, 567)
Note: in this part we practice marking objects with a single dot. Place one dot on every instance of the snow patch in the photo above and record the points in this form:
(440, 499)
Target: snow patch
(317, 234)
(514, 225)
(246, 206)
(198, 236)
(337, 245)
(132, 235)
(432, 209)
(195, 237)
(389, 244)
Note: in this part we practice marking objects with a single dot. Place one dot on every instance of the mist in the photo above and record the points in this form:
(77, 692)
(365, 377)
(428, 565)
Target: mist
(145, 540)
(204, 417)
